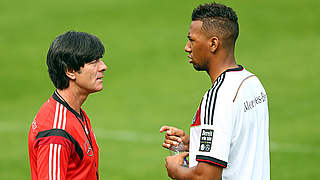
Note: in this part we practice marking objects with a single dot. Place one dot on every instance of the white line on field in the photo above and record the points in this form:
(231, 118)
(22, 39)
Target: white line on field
(294, 148)
(156, 137)
(132, 136)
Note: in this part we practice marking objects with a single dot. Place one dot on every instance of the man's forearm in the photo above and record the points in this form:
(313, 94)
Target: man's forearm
(202, 171)
(183, 173)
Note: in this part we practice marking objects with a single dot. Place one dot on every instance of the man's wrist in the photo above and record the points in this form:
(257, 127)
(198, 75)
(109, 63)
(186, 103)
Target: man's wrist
(181, 172)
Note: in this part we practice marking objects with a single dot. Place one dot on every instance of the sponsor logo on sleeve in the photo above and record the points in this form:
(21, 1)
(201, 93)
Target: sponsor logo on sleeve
(206, 140)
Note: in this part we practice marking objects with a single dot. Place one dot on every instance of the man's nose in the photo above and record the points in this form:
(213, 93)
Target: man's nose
(103, 66)
(187, 48)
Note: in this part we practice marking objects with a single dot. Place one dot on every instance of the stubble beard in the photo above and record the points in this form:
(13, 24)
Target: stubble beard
(198, 67)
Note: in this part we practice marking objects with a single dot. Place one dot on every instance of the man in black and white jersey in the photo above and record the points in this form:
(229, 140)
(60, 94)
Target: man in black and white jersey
(229, 134)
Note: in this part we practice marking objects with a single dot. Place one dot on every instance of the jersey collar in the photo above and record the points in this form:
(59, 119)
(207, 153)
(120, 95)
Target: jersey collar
(239, 68)
(64, 103)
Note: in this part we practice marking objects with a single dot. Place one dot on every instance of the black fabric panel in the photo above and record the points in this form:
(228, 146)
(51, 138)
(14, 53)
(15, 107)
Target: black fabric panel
(62, 133)
(212, 160)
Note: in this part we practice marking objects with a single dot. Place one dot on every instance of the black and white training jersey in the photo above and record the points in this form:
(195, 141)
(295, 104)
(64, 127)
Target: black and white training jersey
(231, 127)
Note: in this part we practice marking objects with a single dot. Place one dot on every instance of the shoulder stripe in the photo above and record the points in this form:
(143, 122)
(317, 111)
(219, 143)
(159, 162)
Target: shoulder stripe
(211, 100)
(59, 123)
(211, 108)
(56, 115)
(215, 96)
(64, 119)
(205, 108)
(57, 118)
(208, 102)
(51, 168)
(60, 117)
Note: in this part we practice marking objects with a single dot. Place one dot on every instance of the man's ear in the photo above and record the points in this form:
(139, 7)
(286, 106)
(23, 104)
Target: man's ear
(214, 43)
(71, 74)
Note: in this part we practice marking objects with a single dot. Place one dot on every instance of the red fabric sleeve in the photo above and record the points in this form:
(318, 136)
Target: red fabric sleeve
(53, 158)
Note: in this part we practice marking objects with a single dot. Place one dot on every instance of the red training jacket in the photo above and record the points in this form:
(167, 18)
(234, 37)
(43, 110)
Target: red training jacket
(62, 145)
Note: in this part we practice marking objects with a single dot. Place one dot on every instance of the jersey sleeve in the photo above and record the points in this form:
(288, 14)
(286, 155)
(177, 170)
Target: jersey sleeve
(53, 150)
(215, 137)
(52, 161)
(214, 133)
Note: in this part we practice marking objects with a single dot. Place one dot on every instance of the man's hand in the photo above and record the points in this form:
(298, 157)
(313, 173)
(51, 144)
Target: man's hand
(175, 162)
(174, 136)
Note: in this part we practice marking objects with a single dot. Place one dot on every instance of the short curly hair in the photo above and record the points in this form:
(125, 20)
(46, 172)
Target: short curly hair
(70, 51)
(217, 19)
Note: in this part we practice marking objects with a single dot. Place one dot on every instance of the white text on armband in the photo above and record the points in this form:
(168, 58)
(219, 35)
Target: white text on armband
(248, 105)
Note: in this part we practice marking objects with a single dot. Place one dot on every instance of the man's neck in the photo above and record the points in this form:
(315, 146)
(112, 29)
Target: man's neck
(216, 68)
(73, 97)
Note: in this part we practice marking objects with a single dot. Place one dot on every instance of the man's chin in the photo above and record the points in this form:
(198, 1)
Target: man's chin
(96, 90)
(198, 68)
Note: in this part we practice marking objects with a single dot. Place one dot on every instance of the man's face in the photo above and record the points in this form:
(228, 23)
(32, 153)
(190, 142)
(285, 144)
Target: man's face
(198, 46)
(89, 78)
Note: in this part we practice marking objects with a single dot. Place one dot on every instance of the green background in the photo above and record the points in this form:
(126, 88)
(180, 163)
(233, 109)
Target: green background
(149, 82)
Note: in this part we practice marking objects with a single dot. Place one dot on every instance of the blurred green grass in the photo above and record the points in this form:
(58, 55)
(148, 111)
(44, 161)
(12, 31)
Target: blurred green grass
(149, 82)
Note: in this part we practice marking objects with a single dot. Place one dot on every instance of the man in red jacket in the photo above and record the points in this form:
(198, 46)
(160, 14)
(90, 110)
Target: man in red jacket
(62, 144)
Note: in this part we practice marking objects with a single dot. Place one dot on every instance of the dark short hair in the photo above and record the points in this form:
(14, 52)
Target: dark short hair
(217, 19)
(70, 51)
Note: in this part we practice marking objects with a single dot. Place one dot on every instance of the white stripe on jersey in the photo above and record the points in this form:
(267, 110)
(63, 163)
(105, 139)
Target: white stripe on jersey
(50, 160)
(206, 106)
(55, 151)
(60, 116)
(59, 149)
(64, 118)
(54, 162)
(211, 99)
(64, 109)
(56, 115)
(209, 94)
(51, 145)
